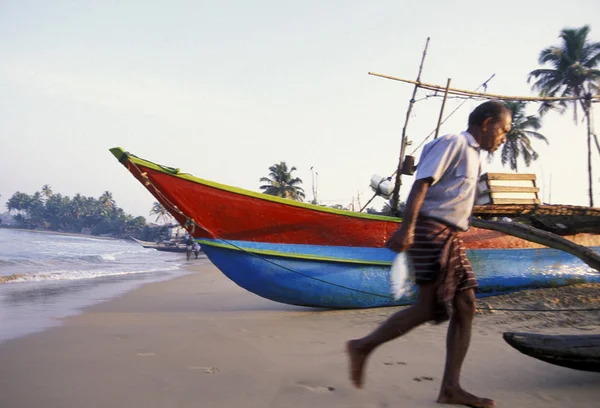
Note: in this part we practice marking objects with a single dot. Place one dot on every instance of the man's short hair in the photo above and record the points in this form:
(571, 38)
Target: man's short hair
(489, 109)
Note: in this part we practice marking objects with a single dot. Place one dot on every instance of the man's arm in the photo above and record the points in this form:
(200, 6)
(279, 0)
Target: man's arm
(403, 238)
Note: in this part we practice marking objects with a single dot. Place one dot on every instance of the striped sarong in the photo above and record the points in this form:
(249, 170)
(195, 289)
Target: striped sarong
(438, 255)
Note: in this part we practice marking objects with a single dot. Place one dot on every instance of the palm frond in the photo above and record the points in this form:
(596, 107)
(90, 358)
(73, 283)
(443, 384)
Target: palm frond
(537, 135)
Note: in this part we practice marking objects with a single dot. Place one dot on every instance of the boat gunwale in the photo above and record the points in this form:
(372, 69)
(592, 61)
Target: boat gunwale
(121, 155)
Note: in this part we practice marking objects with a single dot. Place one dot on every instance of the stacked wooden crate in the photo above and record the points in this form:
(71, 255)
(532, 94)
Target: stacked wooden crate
(507, 188)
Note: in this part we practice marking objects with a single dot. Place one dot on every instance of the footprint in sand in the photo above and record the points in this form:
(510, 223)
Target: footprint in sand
(207, 370)
(318, 388)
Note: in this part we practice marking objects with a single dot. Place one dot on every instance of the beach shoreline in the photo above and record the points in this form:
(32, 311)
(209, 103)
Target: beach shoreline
(200, 340)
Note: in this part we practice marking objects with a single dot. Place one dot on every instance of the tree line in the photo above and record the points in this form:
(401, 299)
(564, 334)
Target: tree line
(49, 211)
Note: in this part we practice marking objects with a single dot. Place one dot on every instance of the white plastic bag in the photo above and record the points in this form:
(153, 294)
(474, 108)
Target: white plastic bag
(400, 280)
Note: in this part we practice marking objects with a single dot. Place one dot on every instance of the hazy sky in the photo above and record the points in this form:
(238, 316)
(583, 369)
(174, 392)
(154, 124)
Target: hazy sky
(224, 89)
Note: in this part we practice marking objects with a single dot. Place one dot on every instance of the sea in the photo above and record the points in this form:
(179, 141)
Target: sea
(45, 277)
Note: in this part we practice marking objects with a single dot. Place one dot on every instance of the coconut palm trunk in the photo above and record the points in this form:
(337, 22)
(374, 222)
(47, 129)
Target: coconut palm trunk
(586, 109)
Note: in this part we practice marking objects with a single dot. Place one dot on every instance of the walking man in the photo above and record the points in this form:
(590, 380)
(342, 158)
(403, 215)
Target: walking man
(438, 208)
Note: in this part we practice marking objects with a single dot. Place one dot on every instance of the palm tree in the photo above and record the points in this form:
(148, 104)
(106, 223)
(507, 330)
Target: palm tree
(77, 206)
(573, 73)
(518, 140)
(47, 191)
(107, 200)
(19, 202)
(161, 212)
(280, 183)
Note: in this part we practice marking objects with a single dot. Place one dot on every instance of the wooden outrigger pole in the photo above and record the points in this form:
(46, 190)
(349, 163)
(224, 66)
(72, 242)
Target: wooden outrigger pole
(398, 181)
(439, 124)
(466, 93)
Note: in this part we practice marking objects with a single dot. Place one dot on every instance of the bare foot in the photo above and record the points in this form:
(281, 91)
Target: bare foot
(458, 396)
(357, 362)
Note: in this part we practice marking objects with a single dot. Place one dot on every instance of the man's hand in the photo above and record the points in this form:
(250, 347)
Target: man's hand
(402, 239)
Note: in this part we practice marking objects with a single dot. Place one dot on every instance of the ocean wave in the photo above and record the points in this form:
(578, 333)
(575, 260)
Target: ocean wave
(57, 260)
(18, 262)
(78, 275)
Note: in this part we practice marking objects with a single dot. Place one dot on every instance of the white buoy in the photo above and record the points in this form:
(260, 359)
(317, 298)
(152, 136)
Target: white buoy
(382, 186)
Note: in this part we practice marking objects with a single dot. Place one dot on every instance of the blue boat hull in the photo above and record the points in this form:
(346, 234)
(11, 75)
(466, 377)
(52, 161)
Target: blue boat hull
(349, 278)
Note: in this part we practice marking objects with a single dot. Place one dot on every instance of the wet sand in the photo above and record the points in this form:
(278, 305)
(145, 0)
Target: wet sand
(201, 341)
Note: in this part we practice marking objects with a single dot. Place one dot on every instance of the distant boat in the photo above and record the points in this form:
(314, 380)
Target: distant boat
(310, 255)
(580, 352)
(176, 247)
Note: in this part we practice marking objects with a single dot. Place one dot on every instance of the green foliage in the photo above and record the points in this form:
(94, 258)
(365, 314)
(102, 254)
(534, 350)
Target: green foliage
(56, 212)
(161, 213)
(572, 69)
(281, 183)
(518, 140)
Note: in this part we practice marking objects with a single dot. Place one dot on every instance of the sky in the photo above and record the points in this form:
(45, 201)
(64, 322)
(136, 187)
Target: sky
(224, 89)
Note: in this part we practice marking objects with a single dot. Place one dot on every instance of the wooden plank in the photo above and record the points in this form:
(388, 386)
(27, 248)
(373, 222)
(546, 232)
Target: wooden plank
(515, 201)
(507, 176)
(512, 196)
(510, 189)
(508, 183)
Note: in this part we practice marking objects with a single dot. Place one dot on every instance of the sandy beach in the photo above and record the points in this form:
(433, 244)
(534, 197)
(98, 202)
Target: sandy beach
(201, 341)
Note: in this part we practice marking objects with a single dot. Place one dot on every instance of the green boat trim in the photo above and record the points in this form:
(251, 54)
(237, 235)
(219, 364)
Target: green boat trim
(280, 254)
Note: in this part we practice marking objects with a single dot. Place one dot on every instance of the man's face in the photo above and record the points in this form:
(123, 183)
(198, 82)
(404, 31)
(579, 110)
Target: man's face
(494, 133)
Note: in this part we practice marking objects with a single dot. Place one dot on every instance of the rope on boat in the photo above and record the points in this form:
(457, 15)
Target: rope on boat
(191, 222)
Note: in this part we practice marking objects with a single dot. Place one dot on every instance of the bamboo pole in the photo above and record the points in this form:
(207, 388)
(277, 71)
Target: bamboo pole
(462, 92)
(398, 181)
(437, 129)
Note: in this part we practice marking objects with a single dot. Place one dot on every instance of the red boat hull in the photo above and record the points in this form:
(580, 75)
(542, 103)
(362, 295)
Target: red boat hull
(230, 213)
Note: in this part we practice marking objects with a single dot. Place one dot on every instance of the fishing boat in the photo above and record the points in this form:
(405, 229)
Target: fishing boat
(309, 255)
(579, 352)
(171, 247)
